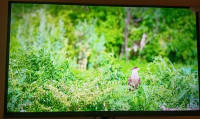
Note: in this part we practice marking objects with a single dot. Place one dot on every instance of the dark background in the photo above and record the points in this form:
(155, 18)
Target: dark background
(3, 35)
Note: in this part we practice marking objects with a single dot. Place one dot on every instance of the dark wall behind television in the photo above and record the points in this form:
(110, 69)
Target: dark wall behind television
(3, 34)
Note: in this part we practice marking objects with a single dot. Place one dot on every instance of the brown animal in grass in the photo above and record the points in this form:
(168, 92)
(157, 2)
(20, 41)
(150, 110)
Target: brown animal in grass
(134, 79)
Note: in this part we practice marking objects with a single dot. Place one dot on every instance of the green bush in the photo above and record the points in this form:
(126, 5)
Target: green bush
(101, 89)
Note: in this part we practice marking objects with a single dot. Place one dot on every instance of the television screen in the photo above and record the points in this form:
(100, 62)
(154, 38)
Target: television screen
(87, 58)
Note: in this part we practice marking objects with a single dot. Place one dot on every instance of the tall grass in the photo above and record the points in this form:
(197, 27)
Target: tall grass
(38, 82)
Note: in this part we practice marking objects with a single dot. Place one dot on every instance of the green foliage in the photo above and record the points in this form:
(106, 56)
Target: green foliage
(104, 88)
(47, 41)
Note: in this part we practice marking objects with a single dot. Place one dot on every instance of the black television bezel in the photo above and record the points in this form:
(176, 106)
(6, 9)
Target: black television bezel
(91, 113)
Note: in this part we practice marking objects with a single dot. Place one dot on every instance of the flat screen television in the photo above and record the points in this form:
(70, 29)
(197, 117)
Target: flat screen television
(101, 60)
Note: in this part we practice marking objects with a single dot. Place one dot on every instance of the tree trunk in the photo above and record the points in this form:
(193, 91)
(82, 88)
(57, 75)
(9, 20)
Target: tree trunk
(127, 22)
(142, 42)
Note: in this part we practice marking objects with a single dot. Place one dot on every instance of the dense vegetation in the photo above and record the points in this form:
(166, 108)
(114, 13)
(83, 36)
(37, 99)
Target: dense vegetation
(79, 58)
